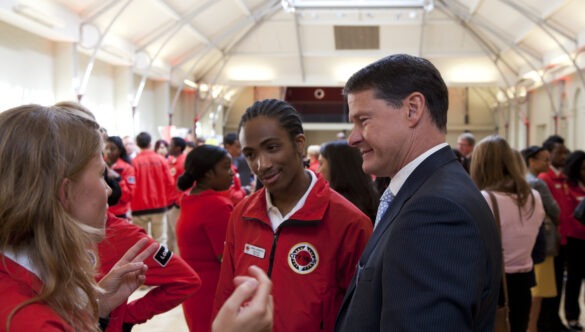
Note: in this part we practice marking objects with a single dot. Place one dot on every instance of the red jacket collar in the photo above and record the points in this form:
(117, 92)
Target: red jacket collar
(313, 211)
(20, 274)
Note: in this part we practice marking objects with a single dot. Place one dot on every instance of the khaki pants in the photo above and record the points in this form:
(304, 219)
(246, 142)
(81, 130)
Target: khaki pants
(172, 217)
(154, 224)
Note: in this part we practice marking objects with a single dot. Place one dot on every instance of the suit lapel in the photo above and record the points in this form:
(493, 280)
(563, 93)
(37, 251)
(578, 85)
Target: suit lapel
(410, 187)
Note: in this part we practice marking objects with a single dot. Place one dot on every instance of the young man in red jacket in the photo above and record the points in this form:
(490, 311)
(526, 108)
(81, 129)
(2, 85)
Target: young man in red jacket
(154, 186)
(307, 237)
(557, 184)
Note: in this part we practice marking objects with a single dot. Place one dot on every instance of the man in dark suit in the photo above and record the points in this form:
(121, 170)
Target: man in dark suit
(434, 260)
(465, 145)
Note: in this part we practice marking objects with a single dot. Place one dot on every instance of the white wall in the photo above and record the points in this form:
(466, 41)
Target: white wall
(26, 69)
(563, 99)
(35, 70)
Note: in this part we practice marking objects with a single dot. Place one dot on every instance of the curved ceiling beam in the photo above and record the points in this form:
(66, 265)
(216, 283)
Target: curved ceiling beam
(170, 35)
(171, 108)
(182, 21)
(243, 7)
(268, 9)
(482, 41)
(224, 60)
(474, 6)
(267, 13)
(80, 90)
(94, 13)
(258, 17)
(520, 52)
(464, 14)
(232, 101)
(489, 49)
(536, 19)
(482, 23)
(543, 25)
(237, 27)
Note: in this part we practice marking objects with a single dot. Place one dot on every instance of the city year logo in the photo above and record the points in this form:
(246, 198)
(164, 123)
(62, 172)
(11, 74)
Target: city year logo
(303, 258)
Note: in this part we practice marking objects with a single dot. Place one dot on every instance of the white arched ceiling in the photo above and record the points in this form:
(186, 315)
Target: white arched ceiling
(500, 43)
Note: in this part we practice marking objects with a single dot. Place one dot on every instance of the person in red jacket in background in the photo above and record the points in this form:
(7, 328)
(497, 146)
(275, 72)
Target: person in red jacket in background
(175, 281)
(177, 167)
(236, 192)
(575, 234)
(313, 152)
(202, 225)
(119, 162)
(557, 184)
(305, 235)
(232, 144)
(154, 185)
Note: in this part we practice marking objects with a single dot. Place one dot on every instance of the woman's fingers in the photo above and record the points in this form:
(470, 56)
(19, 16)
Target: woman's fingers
(150, 250)
(264, 290)
(131, 254)
(241, 279)
(250, 307)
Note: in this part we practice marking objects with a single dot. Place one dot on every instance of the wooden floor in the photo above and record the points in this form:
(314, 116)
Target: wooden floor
(174, 320)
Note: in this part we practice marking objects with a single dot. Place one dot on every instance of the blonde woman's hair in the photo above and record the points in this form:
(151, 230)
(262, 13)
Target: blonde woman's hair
(495, 167)
(39, 148)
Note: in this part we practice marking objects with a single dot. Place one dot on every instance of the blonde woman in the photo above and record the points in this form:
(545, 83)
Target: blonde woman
(494, 169)
(53, 203)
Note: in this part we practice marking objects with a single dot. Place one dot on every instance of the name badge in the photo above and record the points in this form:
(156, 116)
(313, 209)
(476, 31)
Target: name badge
(558, 186)
(254, 251)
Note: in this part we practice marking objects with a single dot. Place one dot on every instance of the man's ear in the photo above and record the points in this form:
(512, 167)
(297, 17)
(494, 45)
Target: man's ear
(415, 108)
(64, 195)
(300, 141)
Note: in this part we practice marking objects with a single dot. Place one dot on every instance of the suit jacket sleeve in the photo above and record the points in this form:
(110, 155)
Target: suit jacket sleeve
(431, 280)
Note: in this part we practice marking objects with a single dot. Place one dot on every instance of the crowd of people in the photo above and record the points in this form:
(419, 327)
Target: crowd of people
(389, 229)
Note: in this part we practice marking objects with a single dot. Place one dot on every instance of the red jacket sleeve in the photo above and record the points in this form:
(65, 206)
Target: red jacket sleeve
(175, 280)
(127, 185)
(216, 230)
(225, 285)
(237, 193)
(355, 239)
(169, 181)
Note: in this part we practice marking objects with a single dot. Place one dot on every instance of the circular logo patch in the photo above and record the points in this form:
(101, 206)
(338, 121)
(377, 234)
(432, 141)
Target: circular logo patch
(303, 258)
